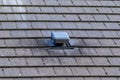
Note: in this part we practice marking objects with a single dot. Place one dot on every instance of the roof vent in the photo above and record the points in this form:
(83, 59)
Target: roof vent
(60, 39)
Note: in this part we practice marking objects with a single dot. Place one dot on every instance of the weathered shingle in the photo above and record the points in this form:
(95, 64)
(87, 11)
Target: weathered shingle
(25, 48)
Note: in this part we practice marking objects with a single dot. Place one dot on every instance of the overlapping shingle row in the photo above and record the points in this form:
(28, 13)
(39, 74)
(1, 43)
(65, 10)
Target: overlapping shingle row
(93, 26)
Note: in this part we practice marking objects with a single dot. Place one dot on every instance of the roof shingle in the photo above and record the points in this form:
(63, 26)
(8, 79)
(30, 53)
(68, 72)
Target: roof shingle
(93, 26)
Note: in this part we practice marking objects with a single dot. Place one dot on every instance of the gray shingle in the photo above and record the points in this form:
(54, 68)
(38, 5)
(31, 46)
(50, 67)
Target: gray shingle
(51, 61)
(90, 10)
(112, 71)
(114, 17)
(100, 17)
(75, 78)
(88, 51)
(10, 42)
(5, 34)
(116, 3)
(8, 25)
(6, 9)
(80, 33)
(29, 42)
(77, 2)
(28, 17)
(29, 72)
(67, 2)
(91, 42)
(94, 33)
(12, 72)
(84, 21)
(53, 25)
(13, 2)
(46, 71)
(96, 71)
(24, 2)
(72, 52)
(41, 2)
(77, 42)
(92, 78)
(83, 25)
(38, 25)
(54, 52)
(108, 78)
(19, 9)
(18, 33)
(115, 51)
(109, 34)
(14, 17)
(44, 17)
(87, 17)
(16, 62)
(57, 17)
(4, 62)
(112, 25)
(48, 9)
(1, 2)
(40, 79)
(1, 72)
(63, 71)
(58, 79)
(100, 61)
(106, 42)
(7, 52)
(52, 2)
(23, 25)
(22, 52)
(102, 51)
(104, 10)
(2, 43)
(71, 17)
(75, 10)
(84, 61)
(80, 71)
(107, 3)
(97, 26)
(3, 17)
(39, 52)
(33, 33)
(31, 9)
(114, 61)
(68, 61)
(34, 61)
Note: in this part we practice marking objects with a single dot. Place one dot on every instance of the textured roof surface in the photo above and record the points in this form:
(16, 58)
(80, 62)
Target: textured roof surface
(94, 28)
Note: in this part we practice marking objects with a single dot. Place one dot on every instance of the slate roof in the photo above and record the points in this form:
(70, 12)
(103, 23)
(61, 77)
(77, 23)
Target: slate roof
(94, 28)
